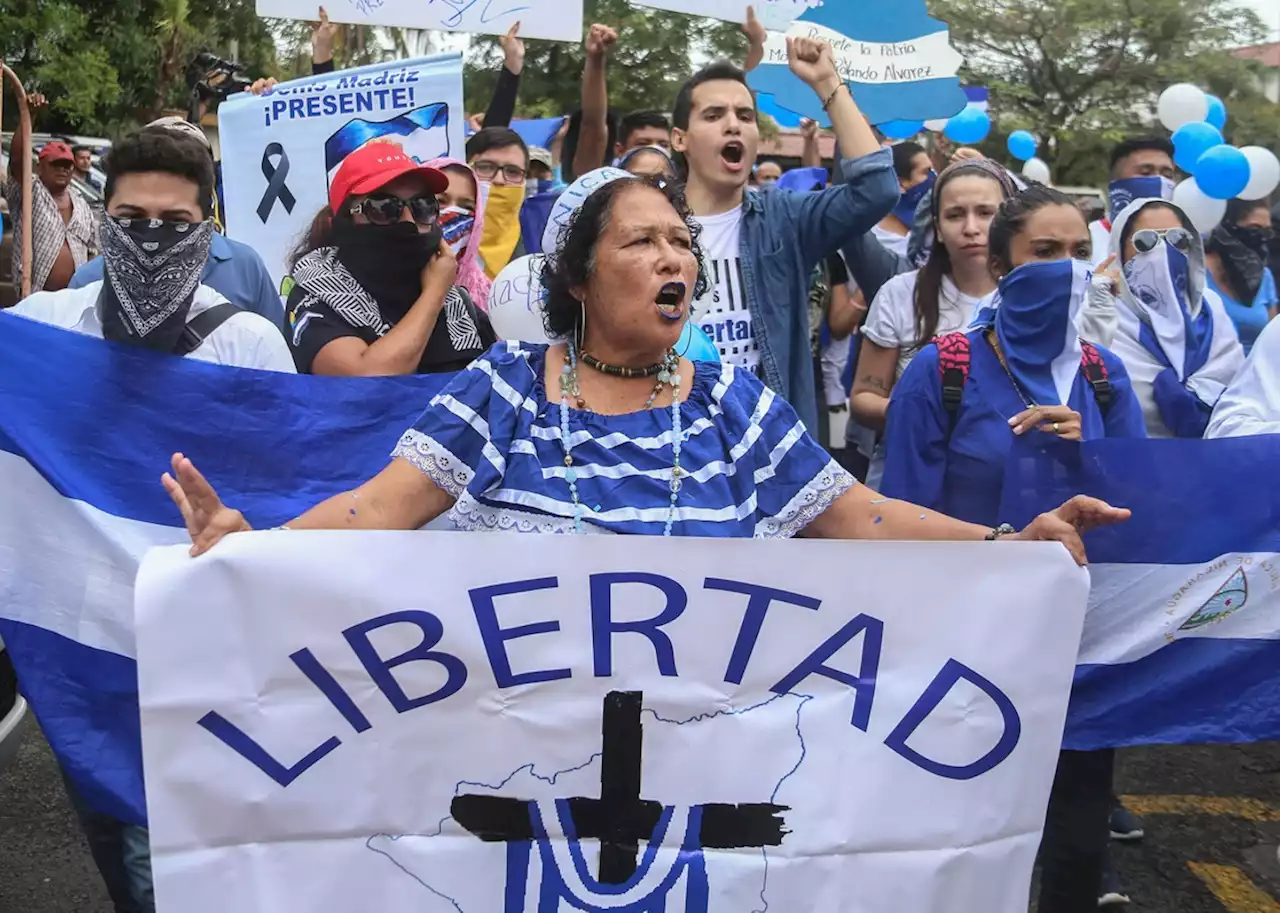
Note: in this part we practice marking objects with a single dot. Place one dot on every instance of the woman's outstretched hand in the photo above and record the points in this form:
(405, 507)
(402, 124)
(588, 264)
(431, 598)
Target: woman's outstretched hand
(207, 518)
(1070, 521)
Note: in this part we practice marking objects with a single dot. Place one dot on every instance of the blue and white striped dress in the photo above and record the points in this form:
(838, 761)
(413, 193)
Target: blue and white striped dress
(492, 440)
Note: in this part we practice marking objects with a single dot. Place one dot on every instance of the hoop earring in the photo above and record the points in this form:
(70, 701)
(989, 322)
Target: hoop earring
(582, 326)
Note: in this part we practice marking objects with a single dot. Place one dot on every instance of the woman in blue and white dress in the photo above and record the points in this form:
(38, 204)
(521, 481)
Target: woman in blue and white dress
(614, 431)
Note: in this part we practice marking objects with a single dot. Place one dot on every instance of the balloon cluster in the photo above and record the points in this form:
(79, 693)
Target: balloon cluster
(1219, 171)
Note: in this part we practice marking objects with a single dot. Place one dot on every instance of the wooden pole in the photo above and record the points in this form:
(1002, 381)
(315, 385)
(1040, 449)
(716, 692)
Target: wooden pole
(24, 127)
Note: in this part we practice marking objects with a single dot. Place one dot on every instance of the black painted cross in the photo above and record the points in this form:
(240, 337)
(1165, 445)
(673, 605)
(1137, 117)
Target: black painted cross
(620, 819)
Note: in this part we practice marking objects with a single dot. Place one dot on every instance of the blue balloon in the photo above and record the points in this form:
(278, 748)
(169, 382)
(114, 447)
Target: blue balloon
(901, 129)
(1222, 172)
(1022, 145)
(969, 126)
(1190, 141)
(696, 345)
(1217, 115)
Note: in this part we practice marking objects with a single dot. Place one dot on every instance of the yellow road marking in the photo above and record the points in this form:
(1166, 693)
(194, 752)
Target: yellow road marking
(1233, 889)
(1221, 806)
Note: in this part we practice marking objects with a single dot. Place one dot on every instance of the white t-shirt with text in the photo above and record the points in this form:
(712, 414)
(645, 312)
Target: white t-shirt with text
(722, 312)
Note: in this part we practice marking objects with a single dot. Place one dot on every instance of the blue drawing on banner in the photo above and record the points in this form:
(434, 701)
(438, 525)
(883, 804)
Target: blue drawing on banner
(366, 7)
(876, 48)
(651, 854)
(457, 10)
(422, 133)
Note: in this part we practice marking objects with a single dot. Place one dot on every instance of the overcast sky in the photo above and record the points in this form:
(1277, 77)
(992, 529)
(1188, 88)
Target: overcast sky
(1269, 10)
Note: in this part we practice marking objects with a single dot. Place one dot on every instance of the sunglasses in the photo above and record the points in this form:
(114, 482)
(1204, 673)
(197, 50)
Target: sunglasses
(1146, 239)
(386, 209)
(489, 170)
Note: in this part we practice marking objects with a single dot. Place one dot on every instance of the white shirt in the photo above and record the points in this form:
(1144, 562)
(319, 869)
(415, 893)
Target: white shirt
(722, 312)
(1251, 405)
(891, 240)
(1101, 236)
(244, 340)
(891, 321)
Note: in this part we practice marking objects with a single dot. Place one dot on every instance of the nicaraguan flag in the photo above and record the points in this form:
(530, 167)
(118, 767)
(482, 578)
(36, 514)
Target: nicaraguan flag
(86, 429)
(423, 133)
(1180, 646)
(1182, 640)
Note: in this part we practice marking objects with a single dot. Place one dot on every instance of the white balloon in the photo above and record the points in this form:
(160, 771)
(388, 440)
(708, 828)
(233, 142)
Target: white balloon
(1182, 104)
(1036, 169)
(515, 301)
(1204, 211)
(1264, 172)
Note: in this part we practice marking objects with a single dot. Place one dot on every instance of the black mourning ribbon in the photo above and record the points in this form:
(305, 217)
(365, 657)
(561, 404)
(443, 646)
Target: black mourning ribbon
(276, 189)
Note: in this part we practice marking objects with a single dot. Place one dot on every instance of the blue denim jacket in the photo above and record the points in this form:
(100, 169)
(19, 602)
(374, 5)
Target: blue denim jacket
(784, 236)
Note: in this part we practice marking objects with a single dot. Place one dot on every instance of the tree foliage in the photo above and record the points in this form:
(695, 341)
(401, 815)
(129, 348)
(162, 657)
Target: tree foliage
(1082, 74)
(654, 55)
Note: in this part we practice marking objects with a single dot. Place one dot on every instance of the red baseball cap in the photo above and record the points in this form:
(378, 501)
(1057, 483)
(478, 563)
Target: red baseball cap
(56, 151)
(374, 165)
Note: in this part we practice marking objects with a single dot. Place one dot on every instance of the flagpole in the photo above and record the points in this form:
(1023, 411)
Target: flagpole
(24, 127)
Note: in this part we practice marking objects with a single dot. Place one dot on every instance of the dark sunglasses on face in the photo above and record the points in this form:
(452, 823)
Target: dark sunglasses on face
(488, 170)
(386, 209)
(1146, 239)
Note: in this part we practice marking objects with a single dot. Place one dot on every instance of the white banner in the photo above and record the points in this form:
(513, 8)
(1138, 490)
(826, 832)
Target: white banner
(927, 57)
(279, 151)
(560, 20)
(490, 724)
(773, 14)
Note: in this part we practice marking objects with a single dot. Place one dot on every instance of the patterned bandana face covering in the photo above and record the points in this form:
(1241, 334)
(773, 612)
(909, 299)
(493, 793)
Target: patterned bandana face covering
(457, 225)
(152, 270)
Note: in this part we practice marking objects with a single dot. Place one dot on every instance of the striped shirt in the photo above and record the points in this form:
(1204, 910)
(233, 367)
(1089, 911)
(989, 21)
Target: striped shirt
(492, 440)
(49, 232)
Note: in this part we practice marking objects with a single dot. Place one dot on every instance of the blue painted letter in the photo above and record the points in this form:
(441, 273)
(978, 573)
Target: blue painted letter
(379, 669)
(323, 679)
(753, 619)
(603, 627)
(235, 738)
(864, 684)
(947, 679)
(495, 636)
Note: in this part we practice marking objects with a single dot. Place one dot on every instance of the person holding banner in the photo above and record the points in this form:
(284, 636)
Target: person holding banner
(614, 431)
(373, 290)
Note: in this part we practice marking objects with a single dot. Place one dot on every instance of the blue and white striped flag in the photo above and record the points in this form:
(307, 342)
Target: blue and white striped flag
(1182, 640)
(87, 427)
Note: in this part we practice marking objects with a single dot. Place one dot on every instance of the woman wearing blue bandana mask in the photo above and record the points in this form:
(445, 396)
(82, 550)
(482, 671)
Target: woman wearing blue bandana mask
(915, 178)
(1175, 337)
(1024, 371)
(952, 422)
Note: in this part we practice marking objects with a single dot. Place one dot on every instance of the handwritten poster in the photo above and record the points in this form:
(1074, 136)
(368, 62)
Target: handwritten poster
(774, 14)
(558, 20)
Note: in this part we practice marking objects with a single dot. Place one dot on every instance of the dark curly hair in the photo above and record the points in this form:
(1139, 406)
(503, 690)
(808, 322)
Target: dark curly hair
(575, 256)
(159, 149)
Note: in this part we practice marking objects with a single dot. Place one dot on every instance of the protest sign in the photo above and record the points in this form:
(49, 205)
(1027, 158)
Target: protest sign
(560, 20)
(398, 721)
(898, 62)
(773, 14)
(281, 150)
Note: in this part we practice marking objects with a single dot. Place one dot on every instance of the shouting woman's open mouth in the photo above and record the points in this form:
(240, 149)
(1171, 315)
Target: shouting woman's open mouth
(670, 300)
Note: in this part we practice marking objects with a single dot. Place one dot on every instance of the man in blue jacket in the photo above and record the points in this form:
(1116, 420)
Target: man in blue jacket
(760, 249)
(233, 269)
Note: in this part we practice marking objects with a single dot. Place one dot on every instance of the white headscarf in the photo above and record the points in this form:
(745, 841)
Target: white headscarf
(1150, 298)
(1251, 404)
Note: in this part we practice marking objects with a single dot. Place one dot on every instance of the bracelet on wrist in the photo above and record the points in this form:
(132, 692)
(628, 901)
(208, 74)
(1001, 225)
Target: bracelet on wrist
(826, 105)
(1004, 529)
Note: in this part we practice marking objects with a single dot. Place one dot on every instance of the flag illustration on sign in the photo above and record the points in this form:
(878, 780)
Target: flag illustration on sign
(422, 133)
(649, 854)
(1229, 599)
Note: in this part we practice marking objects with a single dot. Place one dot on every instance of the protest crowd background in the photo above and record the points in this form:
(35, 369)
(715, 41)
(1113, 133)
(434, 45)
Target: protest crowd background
(855, 320)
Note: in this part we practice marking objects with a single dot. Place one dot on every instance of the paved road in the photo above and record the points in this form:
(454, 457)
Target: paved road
(1212, 814)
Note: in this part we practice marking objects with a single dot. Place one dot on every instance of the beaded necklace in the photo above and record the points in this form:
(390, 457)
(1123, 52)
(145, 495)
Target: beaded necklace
(668, 372)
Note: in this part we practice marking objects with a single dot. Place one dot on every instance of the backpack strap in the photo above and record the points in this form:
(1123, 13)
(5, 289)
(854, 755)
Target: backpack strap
(200, 327)
(1095, 372)
(953, 368)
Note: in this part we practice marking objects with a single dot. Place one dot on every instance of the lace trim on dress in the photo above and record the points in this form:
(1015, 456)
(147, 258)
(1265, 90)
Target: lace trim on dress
(437, 464)
(469, 515)
(805, 507)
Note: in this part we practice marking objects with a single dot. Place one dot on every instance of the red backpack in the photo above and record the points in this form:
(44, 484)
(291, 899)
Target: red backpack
(953, 371)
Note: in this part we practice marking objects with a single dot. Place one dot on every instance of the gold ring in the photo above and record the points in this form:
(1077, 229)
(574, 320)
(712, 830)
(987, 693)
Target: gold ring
(1055, 427)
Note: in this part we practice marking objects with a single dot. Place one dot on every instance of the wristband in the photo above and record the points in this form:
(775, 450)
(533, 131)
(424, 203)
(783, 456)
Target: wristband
(826, 105)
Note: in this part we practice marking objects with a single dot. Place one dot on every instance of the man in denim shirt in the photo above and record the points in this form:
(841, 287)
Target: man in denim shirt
(760, 249)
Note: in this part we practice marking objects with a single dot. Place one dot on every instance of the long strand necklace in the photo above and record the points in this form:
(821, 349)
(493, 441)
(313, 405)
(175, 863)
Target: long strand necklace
(668, 372)
(1017, 388)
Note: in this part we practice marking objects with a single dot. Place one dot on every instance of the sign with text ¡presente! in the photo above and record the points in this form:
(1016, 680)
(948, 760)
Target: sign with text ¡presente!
(897, 60)
(281, 150)
(559, 20)
(397, 722)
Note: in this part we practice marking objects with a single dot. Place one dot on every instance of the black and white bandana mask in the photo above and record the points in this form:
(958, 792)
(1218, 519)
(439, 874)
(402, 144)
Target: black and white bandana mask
(152, 270)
